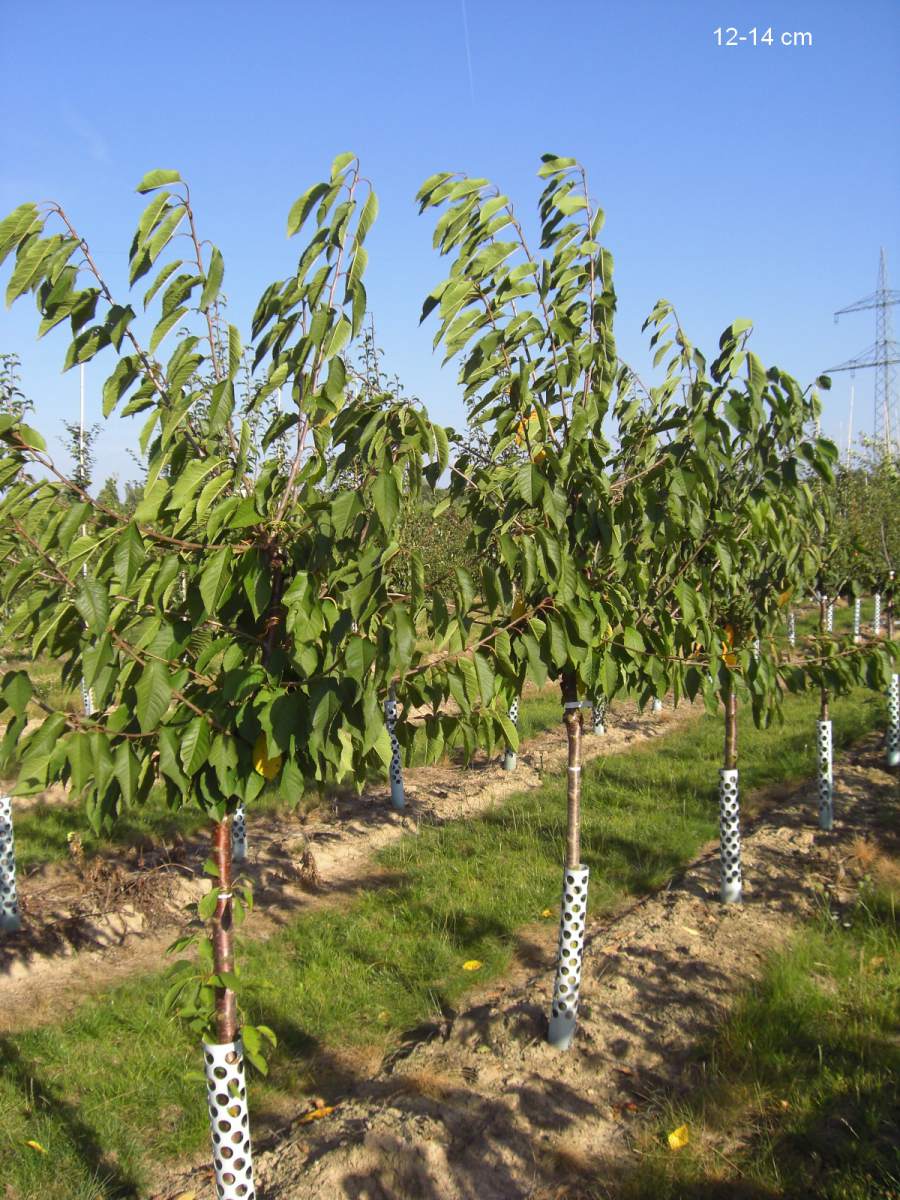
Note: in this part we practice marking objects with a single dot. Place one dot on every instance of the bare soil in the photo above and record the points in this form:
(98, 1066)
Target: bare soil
(477, 1105)
(90, 924)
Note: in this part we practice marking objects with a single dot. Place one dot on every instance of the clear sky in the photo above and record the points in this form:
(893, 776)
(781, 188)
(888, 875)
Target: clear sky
(752, 181)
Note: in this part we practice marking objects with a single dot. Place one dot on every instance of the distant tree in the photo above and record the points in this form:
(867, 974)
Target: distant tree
(80, 446)
(12, 399)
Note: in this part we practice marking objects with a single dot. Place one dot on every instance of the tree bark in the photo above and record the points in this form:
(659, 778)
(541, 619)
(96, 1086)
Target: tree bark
(730, 763)
(223, 933)
(823, 620)
(574, 728)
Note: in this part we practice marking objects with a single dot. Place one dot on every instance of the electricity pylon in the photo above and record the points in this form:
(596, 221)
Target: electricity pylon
(883, 356)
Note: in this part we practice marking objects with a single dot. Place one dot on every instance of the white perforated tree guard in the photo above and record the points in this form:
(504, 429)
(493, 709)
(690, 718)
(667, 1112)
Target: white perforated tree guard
(510, 758)
(857, 618)
(729, 836)
(87, 699)
(876, 616)
(398, 796)
(656, 706)
(239, 834)
(792, 629)
(564, 1008)
(599, 710)
(757, 646)
(893, 729)
(826, 775)
(9, 898)
(229, 1121)
(829, 617)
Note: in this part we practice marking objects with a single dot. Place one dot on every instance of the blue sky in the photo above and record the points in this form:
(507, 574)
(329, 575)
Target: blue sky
(746, 181)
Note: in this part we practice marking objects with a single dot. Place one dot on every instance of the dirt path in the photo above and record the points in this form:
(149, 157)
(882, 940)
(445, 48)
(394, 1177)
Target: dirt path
(88, 929)
(478, 1106)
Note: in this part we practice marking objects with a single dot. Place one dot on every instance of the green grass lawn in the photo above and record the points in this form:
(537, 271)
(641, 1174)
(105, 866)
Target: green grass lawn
(802, 1097)
(106, 1093)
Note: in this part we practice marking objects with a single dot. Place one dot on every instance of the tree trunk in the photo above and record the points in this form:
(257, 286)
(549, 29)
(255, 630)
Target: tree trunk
(730, 762)
(564, 1007)
(729, 810)
(893, 731)
(223, 932)
(824, 736)
(574, 728)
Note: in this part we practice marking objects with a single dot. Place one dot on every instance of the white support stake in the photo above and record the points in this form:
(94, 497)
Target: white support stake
(893, 729)
(510, 758)
(792, 629)
(599, 709)
(398, 796)
(826, 775)
(564, 1009)
(729, 835)
(657, 704)
(229, 1121)
(10, 920)
(876, 616)
(239, 834)
(857, 620)
(829, 617)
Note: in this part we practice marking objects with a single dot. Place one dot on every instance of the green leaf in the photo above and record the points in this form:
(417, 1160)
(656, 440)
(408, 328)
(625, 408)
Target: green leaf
(158, 178)
(387, 499)
(340, 162)
(214, 579)
(16, 691)
(194, 746)
(153, 695)
(214, 276)
(92, 602)
(633, 640)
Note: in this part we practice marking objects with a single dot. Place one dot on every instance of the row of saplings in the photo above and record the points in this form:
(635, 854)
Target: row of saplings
(254, 620)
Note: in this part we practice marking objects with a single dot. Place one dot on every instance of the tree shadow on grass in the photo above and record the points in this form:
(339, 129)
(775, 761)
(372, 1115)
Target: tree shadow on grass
(117, 1183)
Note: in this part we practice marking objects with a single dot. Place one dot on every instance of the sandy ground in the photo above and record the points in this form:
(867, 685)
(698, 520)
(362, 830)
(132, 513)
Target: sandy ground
(477, 1105)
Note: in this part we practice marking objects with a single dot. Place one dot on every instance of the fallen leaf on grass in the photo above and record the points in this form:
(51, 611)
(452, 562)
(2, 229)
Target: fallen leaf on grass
(384, 1016)
(692, 932)
(679, 1138)
(877, 961)
(472, 965)
(784, 1104)
(315, 1114)
(186, 1196)
(548, 912)
(36, 1146)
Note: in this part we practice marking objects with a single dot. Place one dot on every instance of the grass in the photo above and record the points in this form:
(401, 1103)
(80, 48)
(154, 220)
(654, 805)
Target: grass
(801, 1095)
(106, 1094)
(42, 831)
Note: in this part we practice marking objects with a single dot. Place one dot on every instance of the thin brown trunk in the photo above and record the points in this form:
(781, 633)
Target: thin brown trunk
(730, 731)
(573, 723)
(223, 933)
(823, 609)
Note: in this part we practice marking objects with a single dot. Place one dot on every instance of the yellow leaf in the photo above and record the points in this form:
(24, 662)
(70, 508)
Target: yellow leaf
(186, 1196)
(679, 1138)
(262, 764)
(472, 965)
(548, 912)
(315, 1114)
(785, 597)
(384, 1016)
(36, 1146)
